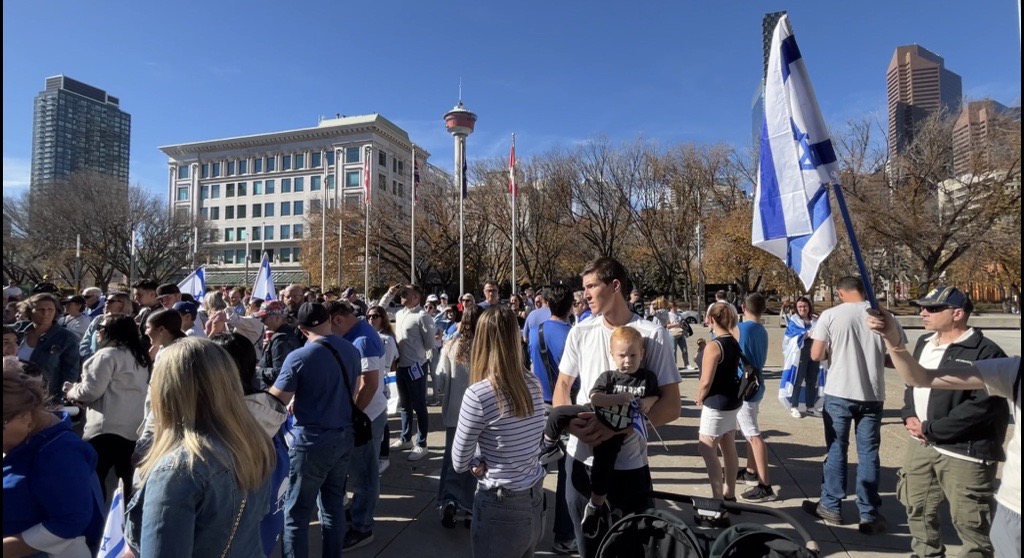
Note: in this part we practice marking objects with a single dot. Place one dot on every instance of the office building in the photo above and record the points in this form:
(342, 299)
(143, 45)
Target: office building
(983, 131)
(918, 84)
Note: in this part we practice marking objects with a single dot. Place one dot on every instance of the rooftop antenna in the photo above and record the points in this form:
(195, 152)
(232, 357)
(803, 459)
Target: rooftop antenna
(460, 90)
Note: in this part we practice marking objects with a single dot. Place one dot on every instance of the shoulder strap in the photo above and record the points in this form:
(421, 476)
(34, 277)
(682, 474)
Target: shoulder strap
(545, 357)
(344, 371)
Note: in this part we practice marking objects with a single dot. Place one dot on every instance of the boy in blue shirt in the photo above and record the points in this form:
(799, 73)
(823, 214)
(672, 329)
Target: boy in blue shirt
(753, 340)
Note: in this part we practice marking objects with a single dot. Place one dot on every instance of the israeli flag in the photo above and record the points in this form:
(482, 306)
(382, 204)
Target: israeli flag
(194, 284)
(792, 215)
(263, 289)
(112, 544)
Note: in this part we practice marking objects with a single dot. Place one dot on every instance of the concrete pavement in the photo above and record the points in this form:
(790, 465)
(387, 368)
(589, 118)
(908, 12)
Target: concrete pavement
(408, 525)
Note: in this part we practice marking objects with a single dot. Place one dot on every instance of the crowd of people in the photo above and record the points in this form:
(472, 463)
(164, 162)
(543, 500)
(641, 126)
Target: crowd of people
(230, 421)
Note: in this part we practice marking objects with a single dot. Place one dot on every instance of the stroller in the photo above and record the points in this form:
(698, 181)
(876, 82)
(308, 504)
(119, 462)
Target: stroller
(660, 534)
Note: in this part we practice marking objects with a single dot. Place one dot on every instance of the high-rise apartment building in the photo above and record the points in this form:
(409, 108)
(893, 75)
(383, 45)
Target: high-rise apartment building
(254, 193)
(768, 23)
(77, 127)
(918, 84)
(980, 135)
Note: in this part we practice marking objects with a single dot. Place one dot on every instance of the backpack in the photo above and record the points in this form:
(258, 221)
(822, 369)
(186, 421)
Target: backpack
(750, 382)
(653, 533)
(753, 540)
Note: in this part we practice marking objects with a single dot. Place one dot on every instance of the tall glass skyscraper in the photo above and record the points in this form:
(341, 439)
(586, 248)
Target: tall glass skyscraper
(78, 127)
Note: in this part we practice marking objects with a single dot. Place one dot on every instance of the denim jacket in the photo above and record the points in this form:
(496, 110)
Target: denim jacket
(184, 510)
(57, 354)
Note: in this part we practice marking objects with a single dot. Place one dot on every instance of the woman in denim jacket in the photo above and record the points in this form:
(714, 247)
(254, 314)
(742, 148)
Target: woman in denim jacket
(204, 484)
(48, 345)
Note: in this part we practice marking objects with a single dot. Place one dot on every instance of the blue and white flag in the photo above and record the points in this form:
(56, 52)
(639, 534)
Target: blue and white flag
(112, 544)
(194, 284)
(263, 289)
(792, 215)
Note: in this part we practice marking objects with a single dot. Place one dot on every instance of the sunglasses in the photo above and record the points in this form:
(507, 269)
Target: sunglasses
(935, 309)
(373, 316)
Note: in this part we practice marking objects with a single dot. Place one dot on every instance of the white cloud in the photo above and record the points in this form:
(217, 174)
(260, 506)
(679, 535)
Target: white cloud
(17, 172)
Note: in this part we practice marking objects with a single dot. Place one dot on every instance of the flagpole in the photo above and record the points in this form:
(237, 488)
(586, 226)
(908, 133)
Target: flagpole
(460, 155)
(248, 256)
(367, 184)
(869, 291)
(78, 263)
(195, 244)
(323, 228)
(132, 262)
(412, 213)
(341, 230)
(338, 202)
(514, 192)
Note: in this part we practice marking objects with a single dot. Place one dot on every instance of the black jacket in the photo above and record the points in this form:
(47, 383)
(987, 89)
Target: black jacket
(967, 422)
(282, 343)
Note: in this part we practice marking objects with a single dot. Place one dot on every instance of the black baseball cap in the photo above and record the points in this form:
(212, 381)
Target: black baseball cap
(167, 289)
(947, 297)
(312, 314)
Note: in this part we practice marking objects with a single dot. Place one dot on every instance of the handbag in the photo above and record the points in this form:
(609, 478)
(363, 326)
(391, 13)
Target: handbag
(234, 529)
(750, 383)
(361, 423)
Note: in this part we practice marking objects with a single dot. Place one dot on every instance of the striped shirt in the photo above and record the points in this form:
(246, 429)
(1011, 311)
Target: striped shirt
(508, 445)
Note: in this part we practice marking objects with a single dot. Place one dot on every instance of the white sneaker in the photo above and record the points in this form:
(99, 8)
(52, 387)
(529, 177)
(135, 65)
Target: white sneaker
(795, 413)
(383, 464)
(691, 367)
(400, 445)
(418, 453)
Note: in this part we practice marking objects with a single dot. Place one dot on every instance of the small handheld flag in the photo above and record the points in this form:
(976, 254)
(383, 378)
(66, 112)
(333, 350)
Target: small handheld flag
(264, 287)
(112, 544)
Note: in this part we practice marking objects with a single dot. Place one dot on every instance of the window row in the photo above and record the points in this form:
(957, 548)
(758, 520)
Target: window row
(282, 163)
(259, 187)
(260, 233)
(286, 208)
(238, 256)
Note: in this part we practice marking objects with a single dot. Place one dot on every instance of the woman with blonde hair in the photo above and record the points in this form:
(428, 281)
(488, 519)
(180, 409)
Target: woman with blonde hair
(719, 402)
(500, 429)
(203, 486)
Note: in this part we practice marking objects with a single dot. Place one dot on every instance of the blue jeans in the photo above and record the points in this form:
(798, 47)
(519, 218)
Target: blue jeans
(412, 397)
(454, 487)
(364, 476)
(865, 417)
(628, 495)
(681, 344)
(507, 524)
(319, 465)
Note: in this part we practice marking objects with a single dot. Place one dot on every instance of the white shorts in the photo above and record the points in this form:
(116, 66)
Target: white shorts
(715, 423)
(747, 419)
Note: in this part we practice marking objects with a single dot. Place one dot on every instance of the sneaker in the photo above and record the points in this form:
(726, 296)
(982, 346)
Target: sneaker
(746, 477)
(817, 510)
(357, 539)
(567, 547)
(795, 413)
(760, 493)
(400, 445)
(551, 452)
(816, 412)
(876, 526)
(383, 464)
(691, 367)
(417, 453)
(448, 512)
(595, 520)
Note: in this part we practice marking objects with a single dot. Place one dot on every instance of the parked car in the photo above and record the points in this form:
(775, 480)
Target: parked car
(692, 317)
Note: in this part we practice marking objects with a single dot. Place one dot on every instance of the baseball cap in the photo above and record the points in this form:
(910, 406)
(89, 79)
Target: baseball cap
(189, 308)
(167, 289)
(312, 314)
(271, 308)
(76, 299)
(950, 297)
(433, 298)
(444, 296)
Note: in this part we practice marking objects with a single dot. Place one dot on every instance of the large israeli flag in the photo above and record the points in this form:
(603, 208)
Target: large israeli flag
(263, 289)
(792, 215)
(194, 284)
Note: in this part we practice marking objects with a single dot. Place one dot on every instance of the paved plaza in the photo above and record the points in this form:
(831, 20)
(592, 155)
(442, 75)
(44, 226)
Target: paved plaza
(408, 525)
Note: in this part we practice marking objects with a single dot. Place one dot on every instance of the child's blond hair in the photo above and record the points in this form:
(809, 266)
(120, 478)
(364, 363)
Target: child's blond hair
(629, 335)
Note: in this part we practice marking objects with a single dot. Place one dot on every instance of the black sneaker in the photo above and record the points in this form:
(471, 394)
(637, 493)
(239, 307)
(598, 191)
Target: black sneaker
(448, 515)
(877, 526)
(595, 520)
(357, 539)
(551, 452)
(817, 510)
(746, 477)
(760, 493)
(567, 547)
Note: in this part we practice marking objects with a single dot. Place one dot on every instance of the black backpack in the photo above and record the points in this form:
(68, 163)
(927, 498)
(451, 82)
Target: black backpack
(651, 534)
(750, 382)
(753, 540)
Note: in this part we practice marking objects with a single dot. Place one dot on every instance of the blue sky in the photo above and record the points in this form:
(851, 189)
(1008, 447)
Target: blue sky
(556, 73)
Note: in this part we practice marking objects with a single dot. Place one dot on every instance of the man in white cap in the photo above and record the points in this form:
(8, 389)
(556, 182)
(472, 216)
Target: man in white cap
(442, 305)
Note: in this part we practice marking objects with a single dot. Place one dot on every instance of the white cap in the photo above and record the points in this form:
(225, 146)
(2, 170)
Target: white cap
(432, 298)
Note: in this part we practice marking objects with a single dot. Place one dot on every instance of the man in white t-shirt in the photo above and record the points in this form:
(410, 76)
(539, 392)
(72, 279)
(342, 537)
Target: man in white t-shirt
(854, 396)
(606, 284)
(1001, 378)
(12, 291)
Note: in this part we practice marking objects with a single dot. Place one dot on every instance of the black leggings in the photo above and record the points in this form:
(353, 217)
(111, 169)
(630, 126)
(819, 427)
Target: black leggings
(114, 452)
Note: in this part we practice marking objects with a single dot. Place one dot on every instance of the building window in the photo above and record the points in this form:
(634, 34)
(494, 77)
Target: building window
(243, 166)
(352, 179)
(286, 254)
(240, 233)
(229, 235)
(297, 231)
(315, 160)
(204, 213)
(257, 164)
(394, 165)
(212, 235)
(330, 181)
(286, 185)
(183, 172)
(271, 163)
(295, 254)
(241, 189)
(182, 194)
(229, 212)
(401, 167)
(268, 234)
(240, 256)
(300, 161)
(286, 209)
(300, 184)
(401, 190)
(231, 168)
(382, 180)
(216, 170)
(314, 205)
(352, 155)
(204, 192)
(240, 212)
(229, 191)
(270, 186)
(382, 159)
(228, 254)
(257, 233)
(268, 210)
(330, 157)
(286, 232)
(314, 183)
(297, 207)
(257, 210)
(206, 170)
(286, 162)
(257, 187)
(214, 213)
(215, 191)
